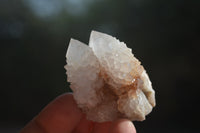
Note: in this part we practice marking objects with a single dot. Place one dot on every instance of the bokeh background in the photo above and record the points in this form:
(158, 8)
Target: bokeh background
(164, 36)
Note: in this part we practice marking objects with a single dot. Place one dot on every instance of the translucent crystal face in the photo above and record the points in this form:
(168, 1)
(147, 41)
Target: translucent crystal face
(82, 71)
(107, 80)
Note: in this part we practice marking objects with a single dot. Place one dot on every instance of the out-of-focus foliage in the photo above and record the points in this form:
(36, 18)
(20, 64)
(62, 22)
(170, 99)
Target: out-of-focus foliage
(164, 35)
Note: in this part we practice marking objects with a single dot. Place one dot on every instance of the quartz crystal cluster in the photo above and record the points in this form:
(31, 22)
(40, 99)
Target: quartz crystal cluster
(108, 82)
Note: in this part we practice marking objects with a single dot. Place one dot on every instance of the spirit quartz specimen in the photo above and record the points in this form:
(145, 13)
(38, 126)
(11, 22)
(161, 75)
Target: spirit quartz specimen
(108, 82)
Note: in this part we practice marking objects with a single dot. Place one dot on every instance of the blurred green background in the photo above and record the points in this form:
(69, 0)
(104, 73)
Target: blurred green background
(164, 36)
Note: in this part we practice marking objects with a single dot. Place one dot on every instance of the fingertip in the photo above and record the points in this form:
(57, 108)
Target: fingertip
(61, 115)
(123, 126)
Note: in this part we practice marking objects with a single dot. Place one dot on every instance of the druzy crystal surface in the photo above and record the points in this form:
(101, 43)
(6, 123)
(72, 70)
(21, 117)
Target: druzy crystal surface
(107, 81)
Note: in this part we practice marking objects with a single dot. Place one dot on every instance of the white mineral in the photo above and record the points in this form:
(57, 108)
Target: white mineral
(108, 82)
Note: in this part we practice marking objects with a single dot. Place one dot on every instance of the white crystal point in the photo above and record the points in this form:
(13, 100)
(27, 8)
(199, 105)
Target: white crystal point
(115, 58)
(107, 80)
(82, 70)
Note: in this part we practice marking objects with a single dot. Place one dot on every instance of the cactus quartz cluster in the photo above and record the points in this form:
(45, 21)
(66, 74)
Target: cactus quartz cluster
(107, 81)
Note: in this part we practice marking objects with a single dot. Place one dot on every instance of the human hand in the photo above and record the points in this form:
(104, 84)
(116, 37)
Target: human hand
(63, 116)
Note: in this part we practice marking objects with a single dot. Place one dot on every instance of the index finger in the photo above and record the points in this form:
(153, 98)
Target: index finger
(61, 116)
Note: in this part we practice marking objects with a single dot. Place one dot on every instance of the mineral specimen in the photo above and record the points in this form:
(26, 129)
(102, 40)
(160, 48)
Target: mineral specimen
(108, 82)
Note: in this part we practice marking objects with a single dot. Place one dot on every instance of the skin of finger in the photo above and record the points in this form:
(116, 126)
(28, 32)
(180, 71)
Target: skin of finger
(32, 127)
(102, 127)
(60, 116)
(84, 126)
(122, 126)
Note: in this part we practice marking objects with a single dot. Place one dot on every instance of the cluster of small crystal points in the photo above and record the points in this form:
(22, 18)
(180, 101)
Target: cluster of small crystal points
(108, 82)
